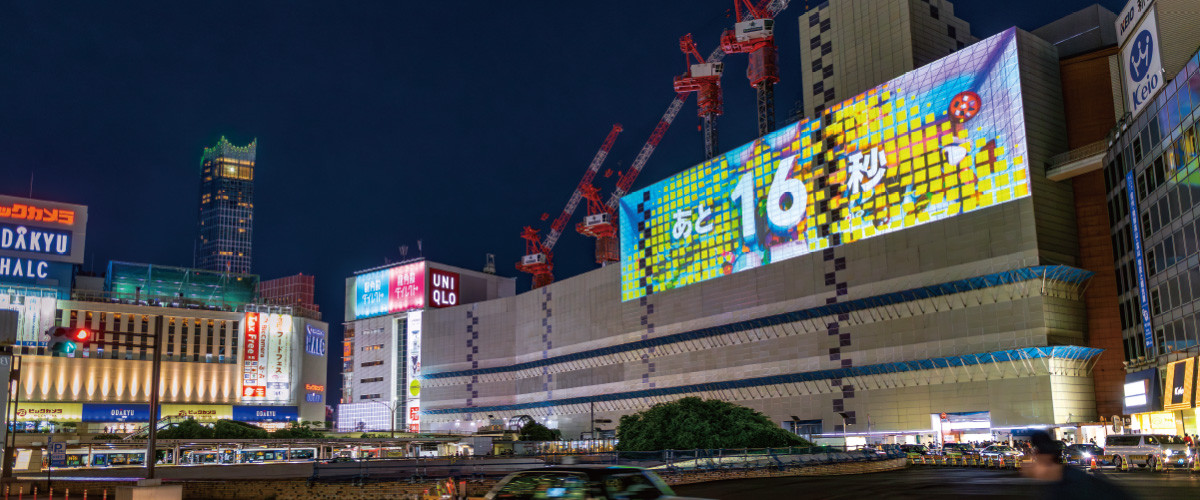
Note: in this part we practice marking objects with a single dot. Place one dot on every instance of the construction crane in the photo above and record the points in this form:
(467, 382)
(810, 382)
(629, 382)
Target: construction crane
(773, 8)
(599, 224)
(755, 35)
(539, 257)
(705, 80)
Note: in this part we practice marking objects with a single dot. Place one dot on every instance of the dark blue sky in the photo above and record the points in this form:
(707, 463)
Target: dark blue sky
(379, 123)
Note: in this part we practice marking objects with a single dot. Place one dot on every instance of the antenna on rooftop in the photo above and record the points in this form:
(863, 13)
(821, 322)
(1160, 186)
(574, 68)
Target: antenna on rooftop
(490, 267)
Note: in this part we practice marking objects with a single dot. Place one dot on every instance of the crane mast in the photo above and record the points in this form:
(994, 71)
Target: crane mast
(755, 35)
(704, 79)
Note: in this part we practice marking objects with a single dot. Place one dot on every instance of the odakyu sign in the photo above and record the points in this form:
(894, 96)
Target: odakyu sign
(265, 413)
(943, 140)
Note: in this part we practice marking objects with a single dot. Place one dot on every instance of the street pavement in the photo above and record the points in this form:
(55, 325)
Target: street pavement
(931, 483)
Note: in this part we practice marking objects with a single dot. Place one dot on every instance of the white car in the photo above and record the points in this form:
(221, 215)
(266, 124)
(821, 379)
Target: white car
(1146, 449)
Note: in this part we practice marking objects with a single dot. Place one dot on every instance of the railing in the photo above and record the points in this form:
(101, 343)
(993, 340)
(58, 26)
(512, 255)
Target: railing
(174, 301)
(419, 469)
(1079, 153)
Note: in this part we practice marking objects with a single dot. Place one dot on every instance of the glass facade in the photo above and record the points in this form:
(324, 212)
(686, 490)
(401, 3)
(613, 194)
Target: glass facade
(1154, 155)
(226, 207)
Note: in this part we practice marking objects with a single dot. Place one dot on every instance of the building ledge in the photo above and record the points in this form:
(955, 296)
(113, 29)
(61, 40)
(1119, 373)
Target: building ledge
(1077, 161)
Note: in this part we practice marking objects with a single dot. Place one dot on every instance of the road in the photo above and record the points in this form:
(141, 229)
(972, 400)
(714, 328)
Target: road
(926, 484)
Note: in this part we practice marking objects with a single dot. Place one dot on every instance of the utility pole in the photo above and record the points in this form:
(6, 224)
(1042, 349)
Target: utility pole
(155, 373)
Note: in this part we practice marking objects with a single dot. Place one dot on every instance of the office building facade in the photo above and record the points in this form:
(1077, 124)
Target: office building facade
(226, 223)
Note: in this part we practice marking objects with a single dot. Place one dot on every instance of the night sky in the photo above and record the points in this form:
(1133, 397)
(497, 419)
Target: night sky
(378, 123)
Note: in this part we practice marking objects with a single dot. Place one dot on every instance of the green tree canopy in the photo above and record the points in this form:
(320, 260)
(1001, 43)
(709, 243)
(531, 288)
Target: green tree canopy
(691, 423)
(232, 429)
(188, 429)
(296, 431)
(534, 431)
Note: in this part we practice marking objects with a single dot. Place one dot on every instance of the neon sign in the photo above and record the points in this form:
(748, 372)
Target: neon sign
(23, 211)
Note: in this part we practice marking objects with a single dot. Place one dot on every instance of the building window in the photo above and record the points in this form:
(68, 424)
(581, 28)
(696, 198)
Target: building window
(825, 26)
(375, 347)
(814, 19)
(826, 48)
(933, 12)
(371, 363)
(371, 379)
(951, 32)
(815, 42)
(827, 72)
(370, 396)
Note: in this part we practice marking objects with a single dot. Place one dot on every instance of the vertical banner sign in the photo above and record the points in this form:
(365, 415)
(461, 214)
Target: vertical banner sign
(412, 414)
(35, 312)
(1141, 64)
(1143, 289)
(278, 348)
(443, 289)
(252, 385)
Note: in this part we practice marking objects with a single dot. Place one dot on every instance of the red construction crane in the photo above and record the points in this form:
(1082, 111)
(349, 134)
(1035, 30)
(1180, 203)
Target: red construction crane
(755, 36)
(705, 80)
(538, 258)
(599, 224)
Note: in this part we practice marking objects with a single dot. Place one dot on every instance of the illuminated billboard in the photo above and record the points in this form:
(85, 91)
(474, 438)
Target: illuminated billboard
(945, 139)
(389, 291)
(35, 312)
(267, 357)
(37, 231)
(412, 419)
(1181, 376)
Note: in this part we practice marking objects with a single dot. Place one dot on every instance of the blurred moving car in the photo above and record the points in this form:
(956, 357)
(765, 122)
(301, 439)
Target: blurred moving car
(1000, 451)
(1083, 454)
(583, 482)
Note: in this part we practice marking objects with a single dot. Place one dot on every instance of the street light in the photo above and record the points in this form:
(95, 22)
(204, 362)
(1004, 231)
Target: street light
(391, 408)
(845, 444)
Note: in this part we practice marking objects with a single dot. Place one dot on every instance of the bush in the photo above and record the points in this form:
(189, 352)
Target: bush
(232, 429)
(187, 429)
(296, 431)
(534, 431)
(691, 423)
(107, 437)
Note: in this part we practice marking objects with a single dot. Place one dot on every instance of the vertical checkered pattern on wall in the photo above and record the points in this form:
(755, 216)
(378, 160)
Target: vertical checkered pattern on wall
(472, 350)
(647, 311)
(834, 261)
(547, 344)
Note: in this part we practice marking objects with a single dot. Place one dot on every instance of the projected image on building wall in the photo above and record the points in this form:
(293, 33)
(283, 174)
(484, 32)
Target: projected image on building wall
(945, 139)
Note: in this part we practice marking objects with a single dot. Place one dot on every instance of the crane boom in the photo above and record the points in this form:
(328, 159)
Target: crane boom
(626, 180)
(573, 202)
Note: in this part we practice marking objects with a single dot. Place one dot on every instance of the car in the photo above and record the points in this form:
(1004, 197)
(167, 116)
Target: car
(914, 449)
(1000, 451)
(583, 482)
(958, 450)
(1147, 449)
(1083, 453)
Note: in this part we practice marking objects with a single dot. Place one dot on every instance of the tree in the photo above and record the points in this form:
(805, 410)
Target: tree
(691, 423)
(296, 431)
(188, 429)
(232, 429)
(534, 431)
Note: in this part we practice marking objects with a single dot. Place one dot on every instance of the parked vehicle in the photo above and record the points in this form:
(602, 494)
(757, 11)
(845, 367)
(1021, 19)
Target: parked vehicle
(1000, 451)
(959, 450)
(1083, 454)
(582, 481)
(1147, 449)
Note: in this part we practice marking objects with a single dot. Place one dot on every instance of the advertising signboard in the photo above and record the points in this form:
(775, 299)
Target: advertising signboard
(204, 413)
(253, 383)
(389, 291)
(412, 377)
(1181, 376)
(115, 413)
(443, 289)
(35, 312)
(50, 412)
(1141, 392)
(1141, 64)
(942, 140)
(1130, 15)
(314, 340)
(1139, 266)
(265, 413)
(267, 362)
(34, 232)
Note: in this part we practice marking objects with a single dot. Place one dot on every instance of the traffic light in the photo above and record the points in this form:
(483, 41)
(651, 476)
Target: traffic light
(64, 340)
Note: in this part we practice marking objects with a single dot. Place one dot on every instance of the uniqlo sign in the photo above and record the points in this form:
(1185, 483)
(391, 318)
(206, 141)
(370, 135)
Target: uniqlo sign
(443, 290)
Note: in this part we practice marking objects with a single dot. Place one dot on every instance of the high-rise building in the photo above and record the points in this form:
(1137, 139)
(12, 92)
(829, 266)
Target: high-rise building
(297, 291)
(849, 46)
(226, 207)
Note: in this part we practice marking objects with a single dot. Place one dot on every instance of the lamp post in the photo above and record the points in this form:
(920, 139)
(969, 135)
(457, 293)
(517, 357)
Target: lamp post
(392, 409)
